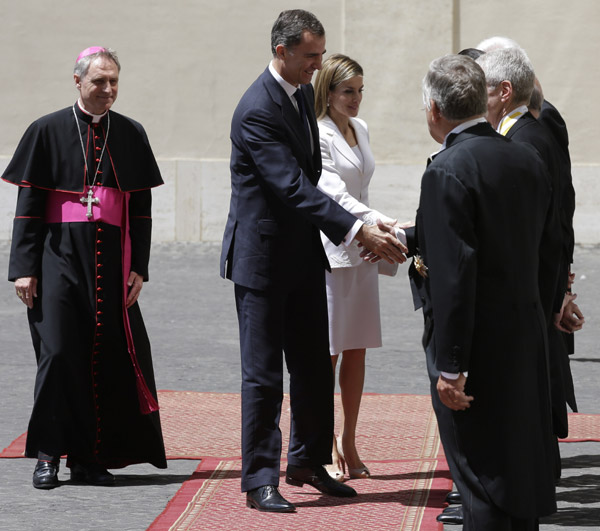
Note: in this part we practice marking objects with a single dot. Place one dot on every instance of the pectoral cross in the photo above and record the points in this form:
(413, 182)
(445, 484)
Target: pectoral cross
(90, 200)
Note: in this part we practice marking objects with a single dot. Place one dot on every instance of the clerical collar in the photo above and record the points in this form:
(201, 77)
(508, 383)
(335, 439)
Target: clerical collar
(288, 87)
(510, 119)
(95, 117)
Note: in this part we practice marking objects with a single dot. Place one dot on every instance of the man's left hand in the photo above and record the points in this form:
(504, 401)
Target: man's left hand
(135, 283)
(452, 393)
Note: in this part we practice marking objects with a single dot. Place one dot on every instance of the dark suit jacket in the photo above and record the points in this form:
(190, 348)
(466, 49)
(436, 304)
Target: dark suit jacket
(276, 211)
(528, 130)
(551, 119)
(480, 224)
(562, 380)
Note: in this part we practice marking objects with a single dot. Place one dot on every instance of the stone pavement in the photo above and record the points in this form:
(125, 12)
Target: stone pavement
(191, 321)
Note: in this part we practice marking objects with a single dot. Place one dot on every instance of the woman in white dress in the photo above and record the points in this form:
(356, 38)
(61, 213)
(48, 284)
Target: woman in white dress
(352, 285)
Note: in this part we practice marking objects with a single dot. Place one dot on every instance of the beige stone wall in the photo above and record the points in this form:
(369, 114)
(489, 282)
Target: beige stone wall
(187, 62)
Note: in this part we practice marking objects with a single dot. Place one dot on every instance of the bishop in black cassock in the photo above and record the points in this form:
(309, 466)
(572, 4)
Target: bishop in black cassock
(79, 256)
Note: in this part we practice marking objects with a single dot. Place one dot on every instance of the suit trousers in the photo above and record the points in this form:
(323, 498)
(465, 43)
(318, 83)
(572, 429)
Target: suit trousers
(288, 320)
(479, 511)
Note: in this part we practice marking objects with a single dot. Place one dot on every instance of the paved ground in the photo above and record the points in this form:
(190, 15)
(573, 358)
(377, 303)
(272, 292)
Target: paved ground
(191, 321)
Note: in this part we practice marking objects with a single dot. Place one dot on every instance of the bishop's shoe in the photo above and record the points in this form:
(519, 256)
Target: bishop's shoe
(92, 474)
(45, 474)
(319, 479)
(268, 499)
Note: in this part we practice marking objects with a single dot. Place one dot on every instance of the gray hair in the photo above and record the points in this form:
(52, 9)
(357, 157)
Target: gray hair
(83, 65)
(456, 84)
(290, 25)
(499, 43)
(509, 64)
(496, 43)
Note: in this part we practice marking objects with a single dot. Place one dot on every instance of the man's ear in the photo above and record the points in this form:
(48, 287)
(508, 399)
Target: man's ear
(506, 91)
(77, 80)
(281, 51)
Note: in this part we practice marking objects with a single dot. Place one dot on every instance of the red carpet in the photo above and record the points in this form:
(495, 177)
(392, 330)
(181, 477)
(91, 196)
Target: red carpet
(397, 439)
(399, 496)
(197, 425)
(392, 427)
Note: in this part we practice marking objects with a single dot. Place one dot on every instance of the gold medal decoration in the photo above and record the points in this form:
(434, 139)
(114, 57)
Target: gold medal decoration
(420, 266)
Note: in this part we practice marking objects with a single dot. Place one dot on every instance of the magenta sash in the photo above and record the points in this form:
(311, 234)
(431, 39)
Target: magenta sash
(113, 208)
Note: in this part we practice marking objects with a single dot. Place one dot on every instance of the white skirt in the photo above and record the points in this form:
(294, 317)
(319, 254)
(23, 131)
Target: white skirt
(353, 307)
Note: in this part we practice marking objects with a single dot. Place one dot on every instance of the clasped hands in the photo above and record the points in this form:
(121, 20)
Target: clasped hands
(380, 243)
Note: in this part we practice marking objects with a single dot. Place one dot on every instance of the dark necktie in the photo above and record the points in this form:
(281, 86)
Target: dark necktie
(302, 111)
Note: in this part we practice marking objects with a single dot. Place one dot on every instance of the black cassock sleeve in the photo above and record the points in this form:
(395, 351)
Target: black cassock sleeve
(28, 234)
(140, 230)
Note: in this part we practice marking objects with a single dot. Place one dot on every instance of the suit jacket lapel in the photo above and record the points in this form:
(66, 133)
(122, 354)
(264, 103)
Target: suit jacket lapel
(309, 98)
(289, 113)
(363, 143)
(340, 145)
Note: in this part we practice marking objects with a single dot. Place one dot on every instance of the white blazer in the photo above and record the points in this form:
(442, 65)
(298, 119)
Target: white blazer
(344, 180)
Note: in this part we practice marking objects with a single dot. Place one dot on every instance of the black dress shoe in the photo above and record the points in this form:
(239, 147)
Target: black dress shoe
(45, 474)
(92, 474)
(451, 515)
(453, 498)
(453, 510)
(268, 499)
(319, 479)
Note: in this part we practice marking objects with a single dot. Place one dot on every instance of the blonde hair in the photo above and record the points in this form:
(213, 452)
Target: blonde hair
(335, 70)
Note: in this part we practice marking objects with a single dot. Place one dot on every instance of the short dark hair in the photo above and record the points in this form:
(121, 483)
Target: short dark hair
(290, 25)
(457, 85)
(537, 98)
(473, 53)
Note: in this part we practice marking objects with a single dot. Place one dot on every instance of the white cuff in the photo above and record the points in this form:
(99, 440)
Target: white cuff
(353, 231)
(453, 375)
(401, 235)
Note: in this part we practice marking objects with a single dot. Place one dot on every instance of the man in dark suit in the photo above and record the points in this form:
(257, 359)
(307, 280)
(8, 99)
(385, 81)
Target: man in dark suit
(510, 79)
(482, 219)
(273, 253)
(570, 319)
